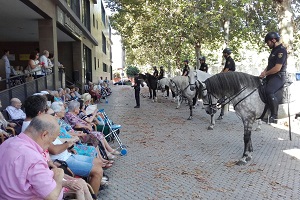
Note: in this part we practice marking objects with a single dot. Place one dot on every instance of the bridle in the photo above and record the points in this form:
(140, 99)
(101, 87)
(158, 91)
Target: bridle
(215, 106)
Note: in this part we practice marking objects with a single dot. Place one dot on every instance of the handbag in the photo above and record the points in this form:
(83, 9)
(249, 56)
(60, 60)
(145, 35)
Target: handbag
(64, 166)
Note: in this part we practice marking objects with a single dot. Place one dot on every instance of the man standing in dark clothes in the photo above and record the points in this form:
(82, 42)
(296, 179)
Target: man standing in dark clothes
(137, 89)
(155, 73)
(229, 66)
(203, 66)
(186, 68)
(275, 72)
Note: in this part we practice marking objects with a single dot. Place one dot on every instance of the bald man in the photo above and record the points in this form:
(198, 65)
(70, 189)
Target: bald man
(14, 110)
(24, 173)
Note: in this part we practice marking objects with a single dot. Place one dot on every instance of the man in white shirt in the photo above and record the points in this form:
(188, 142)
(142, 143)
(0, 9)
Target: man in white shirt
(7, 66)
(44, 61)
(14, 110)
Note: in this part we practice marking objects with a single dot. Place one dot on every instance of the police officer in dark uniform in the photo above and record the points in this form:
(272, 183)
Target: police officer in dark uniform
(186, 68)
(229, 63)
(203, 66)
(275, 72)
(161, 73)
(155, 73)
(229, 66)
(137, 89)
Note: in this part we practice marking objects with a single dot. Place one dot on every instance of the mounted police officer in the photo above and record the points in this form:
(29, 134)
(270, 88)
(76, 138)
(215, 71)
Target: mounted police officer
(186, 68)
(155, 73)
(203, 66)
(137, 88)
(275, 72)
(161, 73)
(229, 66)
(229, 63)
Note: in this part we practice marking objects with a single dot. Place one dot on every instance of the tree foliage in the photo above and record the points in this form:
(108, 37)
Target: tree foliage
(165, 32)
(131, 70)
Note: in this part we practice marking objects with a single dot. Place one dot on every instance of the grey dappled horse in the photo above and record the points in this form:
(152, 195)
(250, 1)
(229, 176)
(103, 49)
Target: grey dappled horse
(241, 90)
(182, 87)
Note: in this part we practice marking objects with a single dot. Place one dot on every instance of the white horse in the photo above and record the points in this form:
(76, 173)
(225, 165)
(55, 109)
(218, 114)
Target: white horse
(181, 87)
(164, 85)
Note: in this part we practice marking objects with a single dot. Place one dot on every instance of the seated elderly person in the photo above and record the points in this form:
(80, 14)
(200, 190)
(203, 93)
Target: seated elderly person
(3, 126)
(77, 123)
(15, 111)
(67, 134)
(24, 173)
(34, 106)
(84, 166)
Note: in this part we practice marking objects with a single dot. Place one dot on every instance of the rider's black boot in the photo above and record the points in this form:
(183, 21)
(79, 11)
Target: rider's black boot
(273, 105)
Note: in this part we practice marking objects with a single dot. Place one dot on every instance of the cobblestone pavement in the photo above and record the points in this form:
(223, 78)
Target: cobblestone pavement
(170, 157)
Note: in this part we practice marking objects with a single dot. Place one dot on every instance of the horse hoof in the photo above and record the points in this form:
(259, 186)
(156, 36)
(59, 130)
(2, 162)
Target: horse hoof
(189, 118)
(210, 128)
(177, 107)
(258, 129)
(248, 158)
(241, 162)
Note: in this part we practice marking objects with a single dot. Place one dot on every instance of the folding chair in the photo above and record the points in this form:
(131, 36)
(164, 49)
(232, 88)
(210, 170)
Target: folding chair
(114, 129)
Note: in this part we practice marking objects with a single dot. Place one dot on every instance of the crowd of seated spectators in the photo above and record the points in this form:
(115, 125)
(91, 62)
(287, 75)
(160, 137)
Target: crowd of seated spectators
(55, 135)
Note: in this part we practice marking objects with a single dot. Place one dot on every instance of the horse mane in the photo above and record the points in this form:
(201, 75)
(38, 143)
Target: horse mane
(230, 83)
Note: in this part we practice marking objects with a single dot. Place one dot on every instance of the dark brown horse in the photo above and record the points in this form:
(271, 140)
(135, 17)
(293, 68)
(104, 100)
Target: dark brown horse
(152, 84)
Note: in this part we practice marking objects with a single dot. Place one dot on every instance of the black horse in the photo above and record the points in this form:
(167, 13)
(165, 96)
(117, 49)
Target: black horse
(152, 84)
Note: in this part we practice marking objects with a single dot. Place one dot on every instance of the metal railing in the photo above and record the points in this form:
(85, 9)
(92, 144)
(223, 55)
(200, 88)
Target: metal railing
(22, 86)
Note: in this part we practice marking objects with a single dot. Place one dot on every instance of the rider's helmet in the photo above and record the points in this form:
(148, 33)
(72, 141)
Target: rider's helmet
(186, 61)
(154, 67)
(161, 67)
(227, 50)
(202, 58)
(272, 35)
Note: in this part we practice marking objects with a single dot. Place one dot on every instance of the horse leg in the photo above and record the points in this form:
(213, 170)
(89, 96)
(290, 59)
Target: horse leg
(178, 102)
(259, 123)
(212, 122)
(248, 149)
(191, 110)
(167, 89)
(154, 96)
(150, 92)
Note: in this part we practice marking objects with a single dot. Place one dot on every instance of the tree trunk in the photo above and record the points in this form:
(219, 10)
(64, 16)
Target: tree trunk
(286, 29)
(285, 23)
(197, 52)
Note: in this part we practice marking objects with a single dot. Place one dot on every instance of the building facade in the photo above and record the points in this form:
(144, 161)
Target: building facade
(77, 32)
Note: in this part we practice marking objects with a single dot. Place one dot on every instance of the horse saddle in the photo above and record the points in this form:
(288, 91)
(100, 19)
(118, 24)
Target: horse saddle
(281, 94)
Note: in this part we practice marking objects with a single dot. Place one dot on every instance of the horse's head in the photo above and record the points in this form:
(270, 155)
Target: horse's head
(173, 87)
(209, 100)
(192, 80)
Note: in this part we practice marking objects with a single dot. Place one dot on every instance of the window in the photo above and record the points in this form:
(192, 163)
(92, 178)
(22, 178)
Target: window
(103, 43)
(98, 63)
(93, 20)
(104, 67)
(103, 14)
(95, 63)
(75, 6)
(86, 14)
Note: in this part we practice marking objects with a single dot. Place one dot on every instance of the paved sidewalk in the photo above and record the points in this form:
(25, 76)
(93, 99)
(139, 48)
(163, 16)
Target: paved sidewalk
(170, 157)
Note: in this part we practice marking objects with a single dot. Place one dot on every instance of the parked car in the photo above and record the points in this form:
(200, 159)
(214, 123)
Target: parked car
(123, 82)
